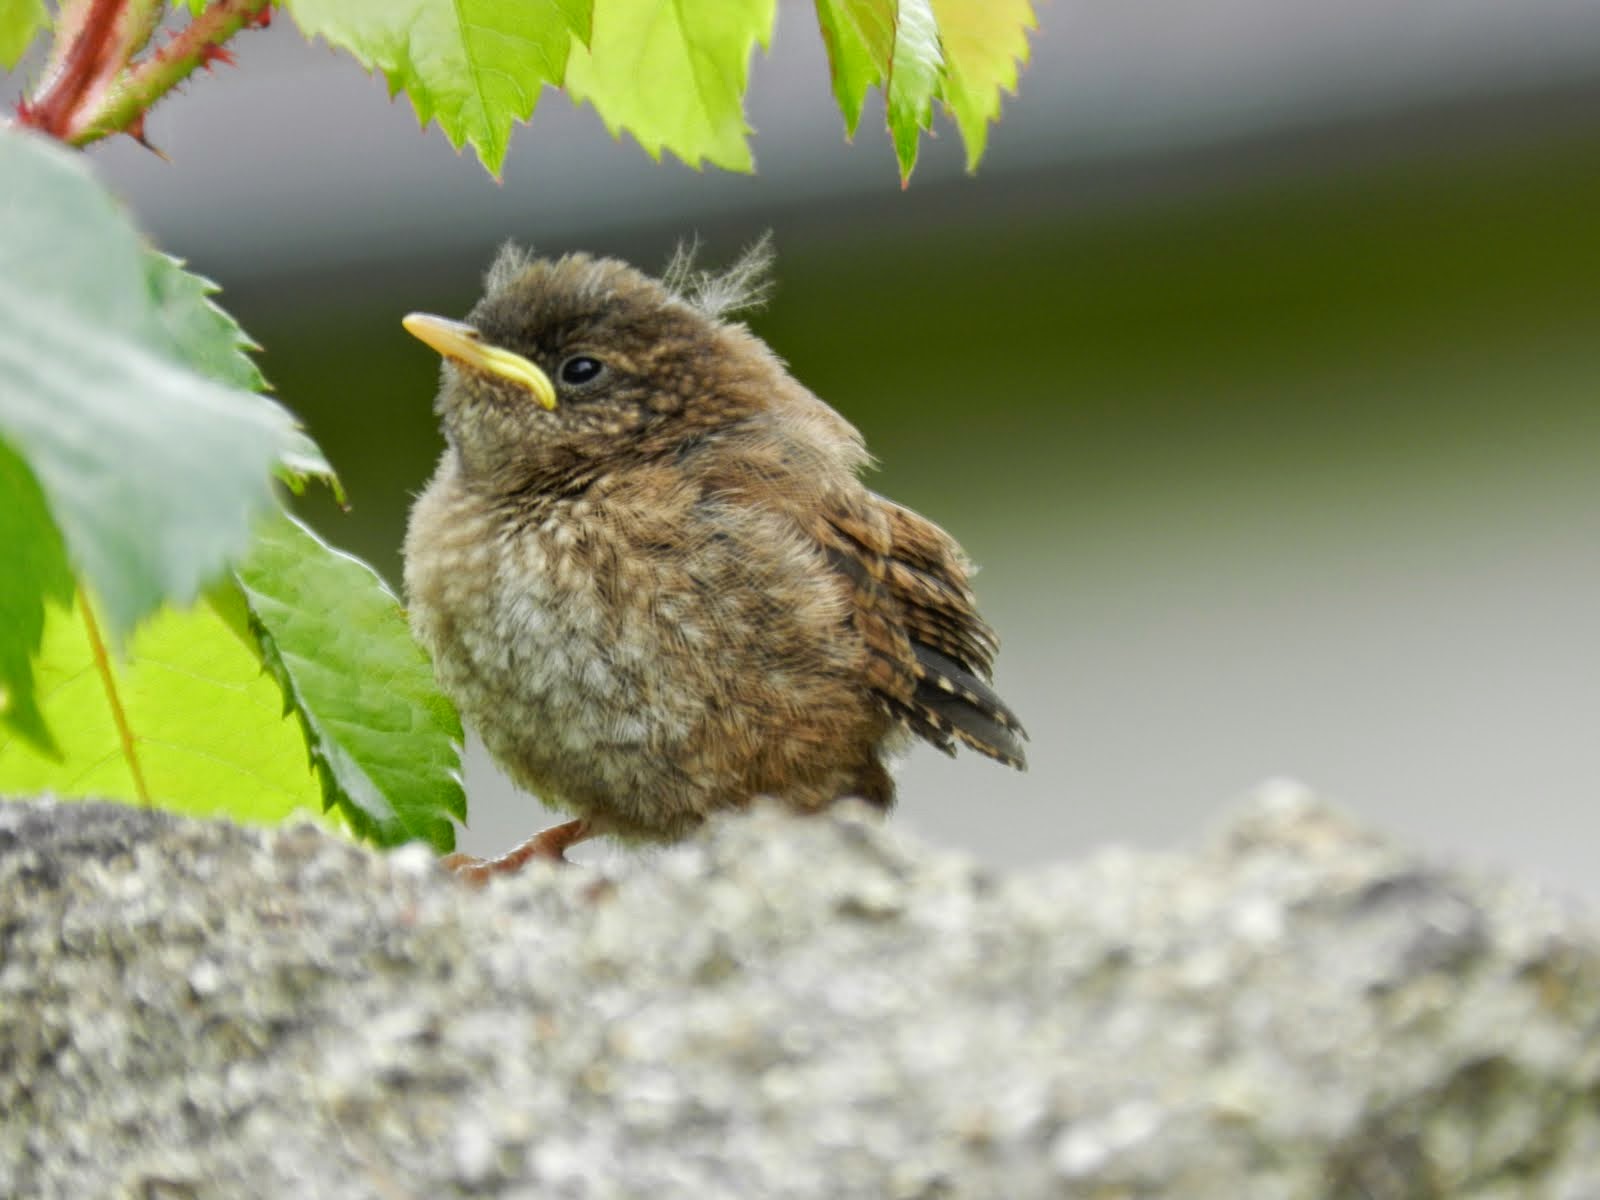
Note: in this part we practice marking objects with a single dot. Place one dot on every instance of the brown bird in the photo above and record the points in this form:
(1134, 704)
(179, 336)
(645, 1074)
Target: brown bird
(648, 573)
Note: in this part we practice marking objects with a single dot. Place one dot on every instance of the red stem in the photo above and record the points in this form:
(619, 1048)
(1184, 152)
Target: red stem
(88, 62)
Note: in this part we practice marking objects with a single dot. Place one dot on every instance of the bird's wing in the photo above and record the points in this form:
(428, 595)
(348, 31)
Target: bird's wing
(931, 655)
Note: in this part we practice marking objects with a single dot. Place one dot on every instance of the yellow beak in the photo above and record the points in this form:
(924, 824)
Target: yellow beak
(464, 344)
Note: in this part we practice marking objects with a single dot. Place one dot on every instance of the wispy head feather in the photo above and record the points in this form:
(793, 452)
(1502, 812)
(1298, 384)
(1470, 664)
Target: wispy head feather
(745, 285)
(511, 261)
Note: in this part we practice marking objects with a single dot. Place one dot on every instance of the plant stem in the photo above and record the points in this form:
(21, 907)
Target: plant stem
(198, 44)
(85, 61)
(119, 716)
(94, 89)
(68, 24)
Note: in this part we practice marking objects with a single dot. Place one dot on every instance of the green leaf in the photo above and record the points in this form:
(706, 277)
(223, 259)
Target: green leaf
(914, 73)
(20, 23)
(859, 35)
(206, 338)
(474, 65)
(302, 459)
(152, 472)
(984, 42)
(206, 730)
(385, 741)
(673, 74)
(893, 44)
(35, 571)
(200, 334)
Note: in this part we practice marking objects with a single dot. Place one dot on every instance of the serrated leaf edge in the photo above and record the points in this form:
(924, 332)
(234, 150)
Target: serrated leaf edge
(389, 830)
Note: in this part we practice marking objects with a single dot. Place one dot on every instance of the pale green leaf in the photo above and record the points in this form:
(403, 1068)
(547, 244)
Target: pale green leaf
(673, 73)
(302, 459)
(385, 741)
(474, 65)
(62, 233)
(201, 334)
(153, 473)
(35, 572)
(20, 23)
(206, 730)
(985, 41)
(205, 337)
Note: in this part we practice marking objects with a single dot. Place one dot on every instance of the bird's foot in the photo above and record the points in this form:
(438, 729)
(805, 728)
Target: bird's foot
(550, 845)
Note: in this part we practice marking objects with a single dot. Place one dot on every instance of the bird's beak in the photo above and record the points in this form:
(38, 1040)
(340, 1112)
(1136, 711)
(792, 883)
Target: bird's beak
(459, 341)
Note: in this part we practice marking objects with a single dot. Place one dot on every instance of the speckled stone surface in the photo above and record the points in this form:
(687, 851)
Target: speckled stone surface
(786, 1008)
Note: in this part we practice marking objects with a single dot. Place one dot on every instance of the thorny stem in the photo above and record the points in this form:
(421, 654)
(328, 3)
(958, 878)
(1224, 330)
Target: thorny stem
(119, 715)
(96, 90)
(197, 45)
(90, 27)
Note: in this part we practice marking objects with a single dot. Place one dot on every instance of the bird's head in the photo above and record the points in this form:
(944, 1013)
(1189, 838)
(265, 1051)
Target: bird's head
(568, 367)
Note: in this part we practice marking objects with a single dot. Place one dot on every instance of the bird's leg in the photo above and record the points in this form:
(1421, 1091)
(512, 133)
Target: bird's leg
(549, 844)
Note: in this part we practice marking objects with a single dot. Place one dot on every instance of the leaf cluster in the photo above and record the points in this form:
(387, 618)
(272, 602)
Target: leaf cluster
(152, 575)
(674, 74)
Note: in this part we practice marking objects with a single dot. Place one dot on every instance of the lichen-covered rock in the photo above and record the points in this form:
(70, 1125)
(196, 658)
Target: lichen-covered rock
(785, 1008)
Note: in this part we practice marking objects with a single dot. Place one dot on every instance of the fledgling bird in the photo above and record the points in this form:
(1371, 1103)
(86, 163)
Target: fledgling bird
(649, 575)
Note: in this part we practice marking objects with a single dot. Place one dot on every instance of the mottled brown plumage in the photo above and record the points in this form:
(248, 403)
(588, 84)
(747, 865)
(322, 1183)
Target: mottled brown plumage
(649, 575)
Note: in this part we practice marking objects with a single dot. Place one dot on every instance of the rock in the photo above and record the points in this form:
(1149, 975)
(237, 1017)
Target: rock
(786, 1008)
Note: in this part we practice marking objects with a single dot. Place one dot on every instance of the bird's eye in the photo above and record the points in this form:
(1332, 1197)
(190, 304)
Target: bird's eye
(581, 369)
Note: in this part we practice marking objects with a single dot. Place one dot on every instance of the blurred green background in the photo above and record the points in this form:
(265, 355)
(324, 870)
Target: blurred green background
(1273, 424)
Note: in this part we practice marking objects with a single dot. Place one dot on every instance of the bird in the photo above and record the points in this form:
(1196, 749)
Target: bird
(649, 575)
